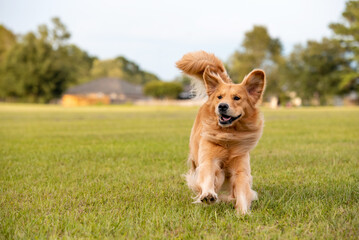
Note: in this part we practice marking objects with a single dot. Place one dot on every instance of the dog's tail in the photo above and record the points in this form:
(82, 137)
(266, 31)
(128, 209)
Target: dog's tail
(195, 63)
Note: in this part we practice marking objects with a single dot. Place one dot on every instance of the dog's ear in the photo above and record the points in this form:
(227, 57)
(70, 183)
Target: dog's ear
(255, 83)
(211, 80)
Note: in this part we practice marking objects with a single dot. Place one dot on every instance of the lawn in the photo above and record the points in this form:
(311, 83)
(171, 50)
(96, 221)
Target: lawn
(116, 172)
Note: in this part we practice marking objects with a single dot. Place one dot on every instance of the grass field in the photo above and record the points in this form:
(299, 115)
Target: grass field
(115, 172)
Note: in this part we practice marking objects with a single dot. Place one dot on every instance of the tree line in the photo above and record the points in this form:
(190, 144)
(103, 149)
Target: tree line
(316, 71)
(40, 66)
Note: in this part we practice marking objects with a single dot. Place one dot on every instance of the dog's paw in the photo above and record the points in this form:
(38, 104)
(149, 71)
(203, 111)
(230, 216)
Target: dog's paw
(242, 211)
(208, 198)
(243, 204)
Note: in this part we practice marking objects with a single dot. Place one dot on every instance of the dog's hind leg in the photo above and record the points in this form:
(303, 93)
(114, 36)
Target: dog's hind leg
(219, 179)
(191, 176)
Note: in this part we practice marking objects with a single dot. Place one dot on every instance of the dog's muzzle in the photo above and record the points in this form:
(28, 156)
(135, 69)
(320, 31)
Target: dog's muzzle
(225, 119)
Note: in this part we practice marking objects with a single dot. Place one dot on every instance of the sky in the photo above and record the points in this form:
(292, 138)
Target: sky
(156, 33)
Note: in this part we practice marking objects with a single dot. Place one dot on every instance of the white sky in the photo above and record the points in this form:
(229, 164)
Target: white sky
(156, 33)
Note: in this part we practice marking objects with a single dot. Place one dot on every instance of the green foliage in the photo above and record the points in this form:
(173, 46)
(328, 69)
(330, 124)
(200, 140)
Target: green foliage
(348, 30)
(183, 79)
(122, 68)
(40, 66)
(318, 70)
(315, 71)
(7, 40)
(158, 89)
(57, 36)
(259, 50)
(115, 172)
(348, 33)
(29, 70)
(78, 62)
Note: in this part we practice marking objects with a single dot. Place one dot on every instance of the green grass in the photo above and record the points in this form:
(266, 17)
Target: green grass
(115, 172)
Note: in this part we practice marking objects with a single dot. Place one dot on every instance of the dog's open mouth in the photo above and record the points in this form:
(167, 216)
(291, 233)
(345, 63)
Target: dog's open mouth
(225, 119)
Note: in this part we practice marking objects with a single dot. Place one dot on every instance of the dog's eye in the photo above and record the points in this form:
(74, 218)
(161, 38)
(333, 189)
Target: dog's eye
(236, 98)
(219, 97)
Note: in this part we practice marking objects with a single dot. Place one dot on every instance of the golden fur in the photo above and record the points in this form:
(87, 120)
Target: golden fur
(227, 127)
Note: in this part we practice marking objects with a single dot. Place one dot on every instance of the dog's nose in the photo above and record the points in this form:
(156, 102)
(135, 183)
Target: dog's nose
(222, 107)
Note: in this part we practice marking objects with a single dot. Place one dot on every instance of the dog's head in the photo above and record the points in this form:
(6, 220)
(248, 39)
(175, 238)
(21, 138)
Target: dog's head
(232, 102)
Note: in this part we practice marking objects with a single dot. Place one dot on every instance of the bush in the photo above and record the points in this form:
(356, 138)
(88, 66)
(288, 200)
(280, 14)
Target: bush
(158, 89)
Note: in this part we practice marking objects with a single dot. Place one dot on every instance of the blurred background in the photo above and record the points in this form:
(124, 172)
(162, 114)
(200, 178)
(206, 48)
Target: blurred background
(113, 52)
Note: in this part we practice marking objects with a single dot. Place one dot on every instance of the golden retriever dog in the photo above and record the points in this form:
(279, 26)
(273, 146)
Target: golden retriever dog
(227, 127)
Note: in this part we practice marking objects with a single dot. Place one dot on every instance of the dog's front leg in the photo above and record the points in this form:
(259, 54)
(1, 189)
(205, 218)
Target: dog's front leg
(209, 177)
(241, 181)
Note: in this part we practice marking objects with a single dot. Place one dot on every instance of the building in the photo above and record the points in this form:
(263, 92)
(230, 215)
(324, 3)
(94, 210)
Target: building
(102, 91)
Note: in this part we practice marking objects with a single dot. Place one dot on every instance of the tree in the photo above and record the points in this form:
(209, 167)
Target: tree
(348, 33)
(158, 89)
(315, 70)
(183, 79)
(121, 67)
(78, 62)
(40, 66)
(258, 50)
(7, 40)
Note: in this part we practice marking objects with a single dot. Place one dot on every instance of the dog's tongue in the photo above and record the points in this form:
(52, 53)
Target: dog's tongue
(226, 119)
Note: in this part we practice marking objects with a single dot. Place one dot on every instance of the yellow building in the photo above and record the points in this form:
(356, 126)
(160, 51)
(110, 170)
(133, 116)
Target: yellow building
(102, 91)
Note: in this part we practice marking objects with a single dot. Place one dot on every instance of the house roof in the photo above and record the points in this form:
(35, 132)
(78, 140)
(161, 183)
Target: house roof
(107, 86)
